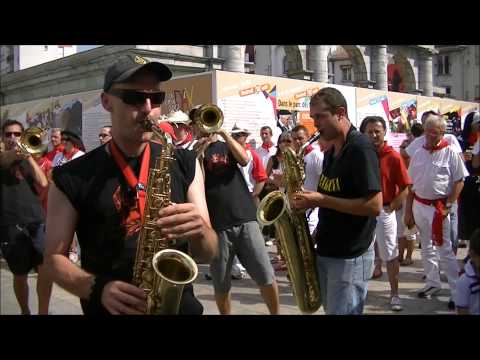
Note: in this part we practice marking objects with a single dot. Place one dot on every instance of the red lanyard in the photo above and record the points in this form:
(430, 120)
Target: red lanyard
(136, 184)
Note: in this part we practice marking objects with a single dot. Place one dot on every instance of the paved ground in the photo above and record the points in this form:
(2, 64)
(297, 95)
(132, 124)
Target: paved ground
(246, 298)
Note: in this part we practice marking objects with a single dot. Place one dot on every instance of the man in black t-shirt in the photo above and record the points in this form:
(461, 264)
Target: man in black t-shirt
(100, 196)
(349, 199)
(233, 214)
(22, 221)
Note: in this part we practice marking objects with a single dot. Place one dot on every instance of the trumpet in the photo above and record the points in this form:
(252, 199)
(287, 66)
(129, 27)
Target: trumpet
(208, 118)
(33, 141)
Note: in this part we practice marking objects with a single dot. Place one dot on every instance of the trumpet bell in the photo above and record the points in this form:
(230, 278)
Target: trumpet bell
(208, 117)
(33, 141)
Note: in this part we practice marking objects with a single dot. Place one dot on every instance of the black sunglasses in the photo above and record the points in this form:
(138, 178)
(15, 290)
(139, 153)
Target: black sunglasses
(137, 98)
(10, 133)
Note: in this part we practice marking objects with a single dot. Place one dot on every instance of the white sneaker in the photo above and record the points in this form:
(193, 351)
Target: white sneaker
(396, 304)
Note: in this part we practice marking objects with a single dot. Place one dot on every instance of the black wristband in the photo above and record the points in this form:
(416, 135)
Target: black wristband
(99, 282)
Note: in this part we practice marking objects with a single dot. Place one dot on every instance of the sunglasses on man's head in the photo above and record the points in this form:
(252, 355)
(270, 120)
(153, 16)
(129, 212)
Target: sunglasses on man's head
(10, 133)
(138, 98)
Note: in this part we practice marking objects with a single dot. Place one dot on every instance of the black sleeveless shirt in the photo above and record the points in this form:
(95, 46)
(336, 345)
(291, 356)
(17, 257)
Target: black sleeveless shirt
(108, 223)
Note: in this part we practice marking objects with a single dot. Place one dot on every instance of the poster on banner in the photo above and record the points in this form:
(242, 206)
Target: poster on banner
(372, 103)
(81, 113)
(403, 112)
(249, 101)
(451, 111)
(376, 103)
(426, 103)
(467, 108)
(185, 92)
(280, 103)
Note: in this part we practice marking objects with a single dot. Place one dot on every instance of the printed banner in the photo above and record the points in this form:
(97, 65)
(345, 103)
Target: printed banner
(281, 103)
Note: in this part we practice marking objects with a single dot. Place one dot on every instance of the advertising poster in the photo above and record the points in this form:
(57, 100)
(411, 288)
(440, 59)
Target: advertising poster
(403, 114)
(377, 103)
(467, 108)
(372, 103)
(249, 101)
(425, 103)
(81, 113)
(451, 110)
(257, 100)
(182, 93)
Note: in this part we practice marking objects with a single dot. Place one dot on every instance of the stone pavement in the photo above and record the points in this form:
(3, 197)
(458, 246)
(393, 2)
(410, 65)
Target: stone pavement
(246, 298)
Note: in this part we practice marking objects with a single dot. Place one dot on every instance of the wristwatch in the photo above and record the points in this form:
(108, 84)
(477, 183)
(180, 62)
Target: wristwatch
(448, 205)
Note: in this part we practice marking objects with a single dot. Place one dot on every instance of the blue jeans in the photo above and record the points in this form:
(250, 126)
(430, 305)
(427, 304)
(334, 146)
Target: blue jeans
(343, 282)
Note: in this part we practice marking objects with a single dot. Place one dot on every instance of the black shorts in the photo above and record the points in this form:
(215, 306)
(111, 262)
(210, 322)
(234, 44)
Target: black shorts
(22, 246)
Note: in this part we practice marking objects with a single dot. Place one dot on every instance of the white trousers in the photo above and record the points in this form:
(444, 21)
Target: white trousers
(423, 215)
(386, 235)
(402, 230)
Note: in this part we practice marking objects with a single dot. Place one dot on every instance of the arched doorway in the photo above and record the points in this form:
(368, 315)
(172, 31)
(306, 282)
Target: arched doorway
(401, 77)
(346, 65)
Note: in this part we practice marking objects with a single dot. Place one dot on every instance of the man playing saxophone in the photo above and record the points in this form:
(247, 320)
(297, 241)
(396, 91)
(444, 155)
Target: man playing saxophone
(101, 196)
(349, 198)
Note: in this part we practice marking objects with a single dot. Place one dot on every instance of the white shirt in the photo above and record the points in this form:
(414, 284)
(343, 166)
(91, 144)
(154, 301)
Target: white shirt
(420, 141)
(313, 169)
(433, 174)
(60, 159)
(247, 171)
(468, 290)
(266, 154)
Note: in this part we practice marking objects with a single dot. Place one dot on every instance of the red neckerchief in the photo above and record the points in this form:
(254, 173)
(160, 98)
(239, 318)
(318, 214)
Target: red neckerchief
(437, 224)
(69, 155)
(308, 150)
(267, 146)
(442, 144)
(187, 139)
(139, 185)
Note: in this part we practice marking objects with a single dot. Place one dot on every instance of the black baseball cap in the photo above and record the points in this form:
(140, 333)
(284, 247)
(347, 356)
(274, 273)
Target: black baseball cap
(127, 65)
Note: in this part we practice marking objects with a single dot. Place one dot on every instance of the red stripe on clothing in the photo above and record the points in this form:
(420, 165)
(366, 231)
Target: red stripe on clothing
(437, 224)
(258, 170)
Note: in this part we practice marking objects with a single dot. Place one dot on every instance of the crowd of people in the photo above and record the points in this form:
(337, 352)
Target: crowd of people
(75, 216)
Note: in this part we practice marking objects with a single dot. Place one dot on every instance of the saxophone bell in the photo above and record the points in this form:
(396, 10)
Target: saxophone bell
(175, 269)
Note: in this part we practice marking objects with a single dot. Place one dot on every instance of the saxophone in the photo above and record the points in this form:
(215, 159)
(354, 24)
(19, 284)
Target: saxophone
(292, 231)
(161, 271)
